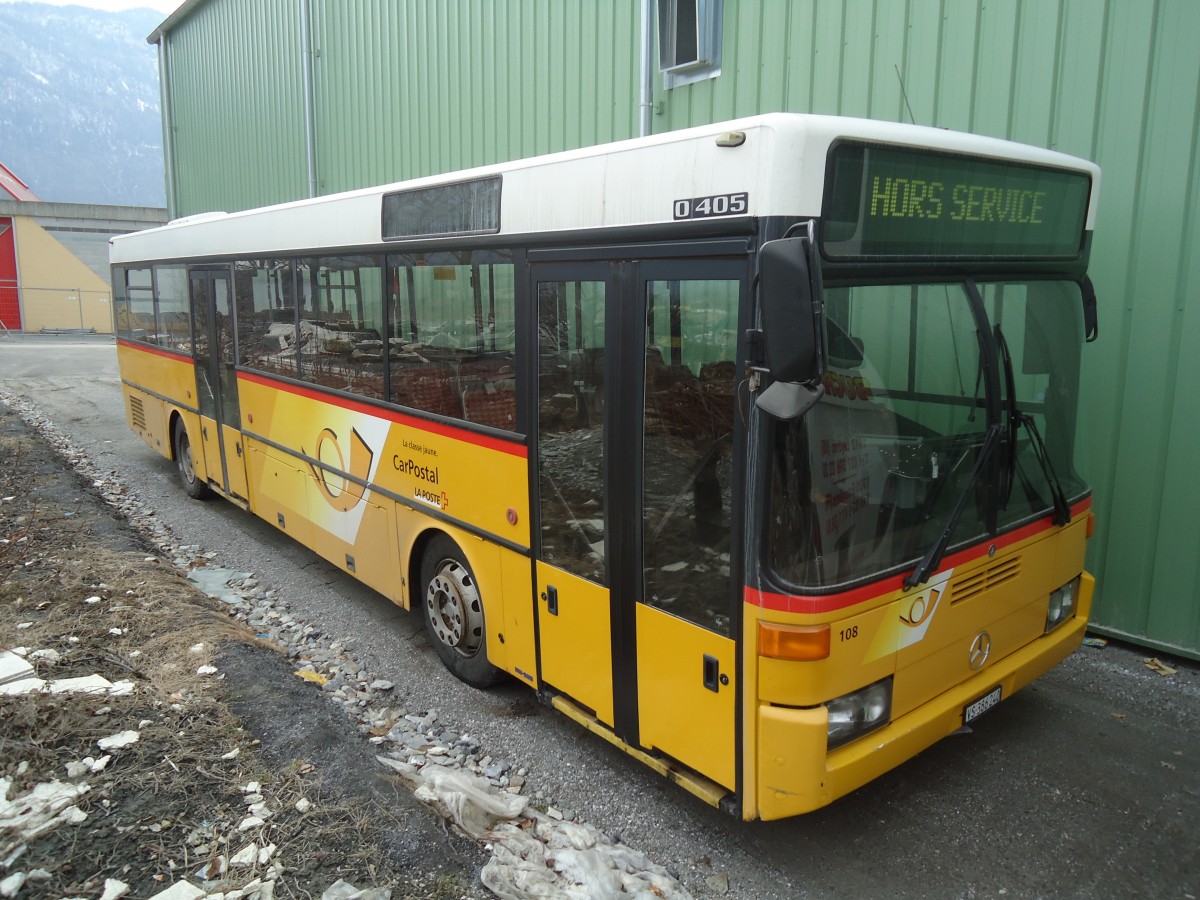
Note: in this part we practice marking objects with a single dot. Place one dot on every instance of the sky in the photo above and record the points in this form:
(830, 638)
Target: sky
(166, 7)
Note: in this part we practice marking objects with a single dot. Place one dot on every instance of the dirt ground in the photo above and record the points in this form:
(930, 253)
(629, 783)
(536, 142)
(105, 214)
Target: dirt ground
(237, 777)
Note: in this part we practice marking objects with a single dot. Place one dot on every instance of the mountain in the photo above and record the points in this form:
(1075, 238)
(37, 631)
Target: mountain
(79, 103)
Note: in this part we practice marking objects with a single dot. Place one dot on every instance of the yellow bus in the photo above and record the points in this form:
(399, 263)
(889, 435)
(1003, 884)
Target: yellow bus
(750, 447)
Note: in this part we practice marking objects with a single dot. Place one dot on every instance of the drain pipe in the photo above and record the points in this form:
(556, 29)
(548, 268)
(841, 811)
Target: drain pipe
(310, 139)
(646, 106)
(168, 126)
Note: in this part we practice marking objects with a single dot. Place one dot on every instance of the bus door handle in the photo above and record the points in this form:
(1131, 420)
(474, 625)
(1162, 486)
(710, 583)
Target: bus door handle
(550, 595)
(712, 673)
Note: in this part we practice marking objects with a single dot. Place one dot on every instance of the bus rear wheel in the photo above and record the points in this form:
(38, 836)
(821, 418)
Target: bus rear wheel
(193, 486)
(452, 608)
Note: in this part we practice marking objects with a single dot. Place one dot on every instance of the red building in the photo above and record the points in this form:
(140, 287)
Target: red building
(10, 307)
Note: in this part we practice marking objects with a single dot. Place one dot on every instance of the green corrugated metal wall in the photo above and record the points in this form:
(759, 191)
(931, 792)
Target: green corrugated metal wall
(236, 105)
(416, 87)
(412, 87)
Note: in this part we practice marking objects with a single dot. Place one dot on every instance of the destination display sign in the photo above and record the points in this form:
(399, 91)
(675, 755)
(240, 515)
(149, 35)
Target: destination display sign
(886, 202)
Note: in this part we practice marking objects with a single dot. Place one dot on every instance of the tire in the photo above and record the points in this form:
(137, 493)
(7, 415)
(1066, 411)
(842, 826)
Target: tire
(192, 485)
(452, 609)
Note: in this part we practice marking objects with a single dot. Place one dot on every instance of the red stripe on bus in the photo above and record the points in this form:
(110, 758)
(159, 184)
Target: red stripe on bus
(459, 434)
(827, 603)
(175, 355)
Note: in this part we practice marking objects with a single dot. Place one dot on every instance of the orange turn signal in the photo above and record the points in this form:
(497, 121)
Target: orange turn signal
(801, 642)
(1091, 525)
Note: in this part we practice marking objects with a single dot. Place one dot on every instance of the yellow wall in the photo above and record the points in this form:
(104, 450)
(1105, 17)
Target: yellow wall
(57, 290)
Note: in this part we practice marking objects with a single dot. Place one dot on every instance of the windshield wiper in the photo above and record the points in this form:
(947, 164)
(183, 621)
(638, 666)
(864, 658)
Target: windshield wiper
(1062, 509)
(930, 561)
(1016, 419)
(1010, 401)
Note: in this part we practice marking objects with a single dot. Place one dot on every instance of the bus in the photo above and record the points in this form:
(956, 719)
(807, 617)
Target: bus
(750, 447)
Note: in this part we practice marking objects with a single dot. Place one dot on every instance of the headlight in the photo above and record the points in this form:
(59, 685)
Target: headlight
(853, 715)
(1062, 604)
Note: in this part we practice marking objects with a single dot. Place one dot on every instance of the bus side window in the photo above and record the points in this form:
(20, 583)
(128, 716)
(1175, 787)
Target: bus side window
(266, 316)
(135, 305)
(172, 308)
(691, 346)
(451, 338)
(570, 427)
(340, 335)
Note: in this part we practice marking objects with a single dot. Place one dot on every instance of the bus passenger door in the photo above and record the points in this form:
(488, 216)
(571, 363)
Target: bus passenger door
(216, 379)
(686, 608)
(636, 602)
(573, 596)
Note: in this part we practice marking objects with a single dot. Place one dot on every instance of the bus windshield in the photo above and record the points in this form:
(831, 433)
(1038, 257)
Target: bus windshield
(867, 481)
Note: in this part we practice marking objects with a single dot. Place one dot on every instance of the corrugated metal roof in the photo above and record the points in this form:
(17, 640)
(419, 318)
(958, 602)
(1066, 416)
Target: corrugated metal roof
(172, 20)
(14, 186)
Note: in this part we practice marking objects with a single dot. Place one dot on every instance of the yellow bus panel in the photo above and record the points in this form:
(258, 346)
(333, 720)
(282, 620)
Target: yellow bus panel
(678, 714)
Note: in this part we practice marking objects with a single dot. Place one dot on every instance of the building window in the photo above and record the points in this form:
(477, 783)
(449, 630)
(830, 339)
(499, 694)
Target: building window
(689, 40)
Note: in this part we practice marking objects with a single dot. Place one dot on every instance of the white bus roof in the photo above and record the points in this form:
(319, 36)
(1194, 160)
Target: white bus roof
(780, 166)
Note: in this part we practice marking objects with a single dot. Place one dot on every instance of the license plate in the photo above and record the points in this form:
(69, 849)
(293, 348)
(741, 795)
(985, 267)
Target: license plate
(973, 711)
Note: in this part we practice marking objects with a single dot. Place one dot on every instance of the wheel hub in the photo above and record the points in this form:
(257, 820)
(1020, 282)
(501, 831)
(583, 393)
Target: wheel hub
(453, 607)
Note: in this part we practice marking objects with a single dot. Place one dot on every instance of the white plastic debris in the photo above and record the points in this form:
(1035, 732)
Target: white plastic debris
(118, 740)
(114, 889)
(46, 655)
(12, 885)
(303, 805)
(232, 754)
(245, 857)
(85, 684)
(215, 581)
(87, 765)
(196, 648)
(13, 667)
(472, 801)
(24, 686)
(180, 890)
(555, 859)
(213, 869)
(206, 670)
(92, 599)
(249, 822)
(344, 890)
(41, 809)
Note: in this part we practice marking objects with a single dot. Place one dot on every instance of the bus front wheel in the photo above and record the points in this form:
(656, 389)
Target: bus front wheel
(453, 612)
(192, 485)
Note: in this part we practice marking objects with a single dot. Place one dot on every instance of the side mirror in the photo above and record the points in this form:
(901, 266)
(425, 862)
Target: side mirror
(791, 325)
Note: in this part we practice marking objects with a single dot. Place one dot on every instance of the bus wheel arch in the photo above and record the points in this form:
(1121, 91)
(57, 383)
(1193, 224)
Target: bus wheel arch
(181, 454)
(452, 609)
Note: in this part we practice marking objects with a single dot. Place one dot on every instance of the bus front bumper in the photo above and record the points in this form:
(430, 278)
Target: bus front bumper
(796, 775)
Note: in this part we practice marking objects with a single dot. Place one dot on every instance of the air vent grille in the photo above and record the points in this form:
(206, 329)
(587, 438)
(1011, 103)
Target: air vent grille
(137, 413)
(985, 579)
